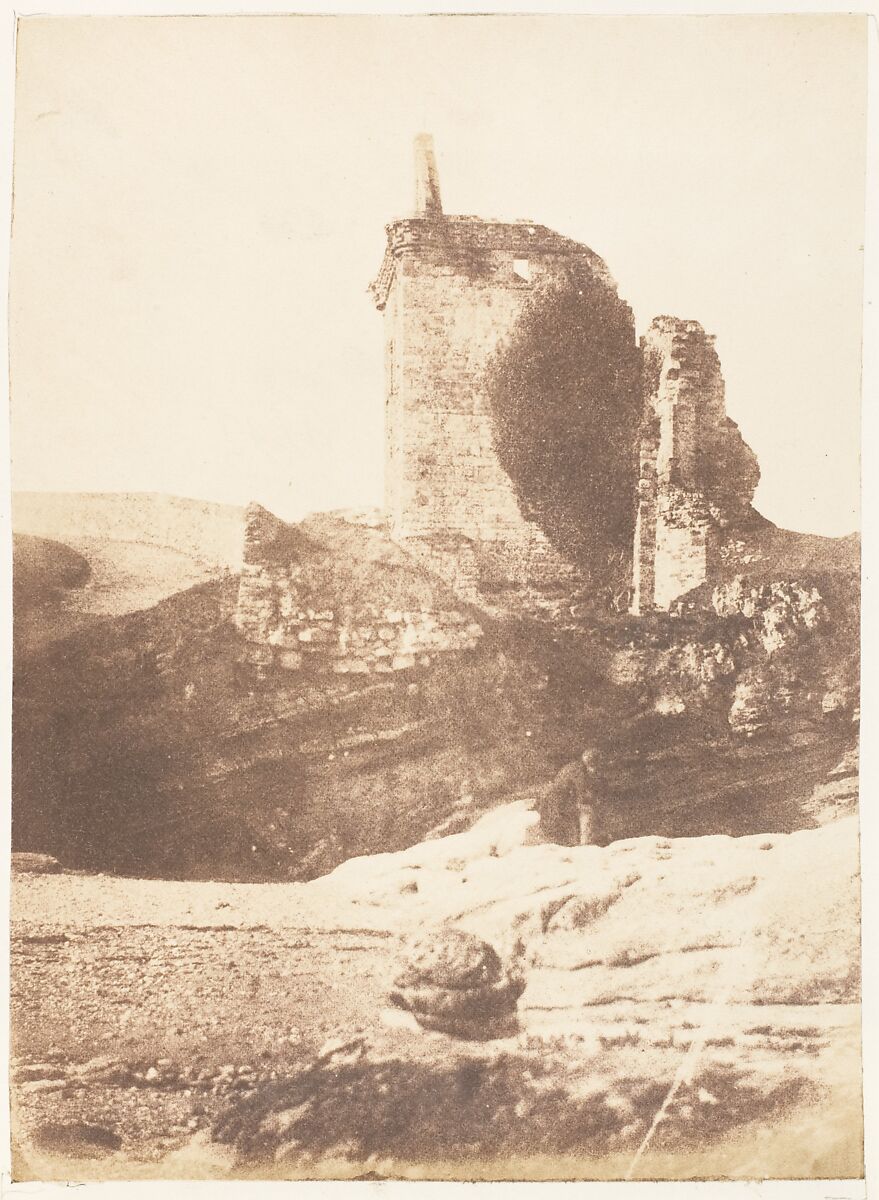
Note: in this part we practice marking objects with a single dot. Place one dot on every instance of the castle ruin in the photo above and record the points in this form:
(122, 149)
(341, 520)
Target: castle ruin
(451, 290)
(697, 476)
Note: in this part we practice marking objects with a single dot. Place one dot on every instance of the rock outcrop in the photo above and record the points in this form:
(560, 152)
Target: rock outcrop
(712, 980)
(642, 915)
(455, 983)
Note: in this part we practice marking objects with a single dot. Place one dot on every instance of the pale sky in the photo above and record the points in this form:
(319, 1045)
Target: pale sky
(200, 203)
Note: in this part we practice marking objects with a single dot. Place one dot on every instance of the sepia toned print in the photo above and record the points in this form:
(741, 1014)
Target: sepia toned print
(501, 825)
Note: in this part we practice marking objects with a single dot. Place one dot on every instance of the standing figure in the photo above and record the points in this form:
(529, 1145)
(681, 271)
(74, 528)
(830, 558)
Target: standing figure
(568, 805)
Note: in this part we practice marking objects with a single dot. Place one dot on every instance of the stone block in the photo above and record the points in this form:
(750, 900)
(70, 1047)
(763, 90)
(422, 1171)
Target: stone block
(257, 654)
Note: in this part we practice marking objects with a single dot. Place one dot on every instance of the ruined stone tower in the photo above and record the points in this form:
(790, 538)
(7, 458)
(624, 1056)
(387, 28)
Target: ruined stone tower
(697, 475)
(451, 288)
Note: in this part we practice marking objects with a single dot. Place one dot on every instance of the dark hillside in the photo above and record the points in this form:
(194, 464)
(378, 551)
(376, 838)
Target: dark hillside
(143, 745)
(49, 580)
(43, 568)
(78, 557)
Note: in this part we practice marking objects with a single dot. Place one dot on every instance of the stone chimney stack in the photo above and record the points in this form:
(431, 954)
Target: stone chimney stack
(427, 190)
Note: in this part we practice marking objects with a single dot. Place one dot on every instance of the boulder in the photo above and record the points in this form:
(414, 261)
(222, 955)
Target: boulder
(76, 1138)
(455, 983)
(451, 958)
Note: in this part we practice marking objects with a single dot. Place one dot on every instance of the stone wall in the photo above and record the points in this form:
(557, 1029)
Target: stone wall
(289, 624)
(697, 476)
(451, 289)
(359, 643)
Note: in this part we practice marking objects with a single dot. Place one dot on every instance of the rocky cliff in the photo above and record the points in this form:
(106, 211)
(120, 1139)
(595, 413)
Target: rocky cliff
(305, 734)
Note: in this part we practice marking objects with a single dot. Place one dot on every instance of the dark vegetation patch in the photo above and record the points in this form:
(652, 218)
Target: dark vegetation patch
(43, 568)
(76, 1138)
(142, 745)
(565, 396)
(509, 1107)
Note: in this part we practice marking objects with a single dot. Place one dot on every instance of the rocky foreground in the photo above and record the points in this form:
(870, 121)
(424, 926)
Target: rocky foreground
(690, 1008)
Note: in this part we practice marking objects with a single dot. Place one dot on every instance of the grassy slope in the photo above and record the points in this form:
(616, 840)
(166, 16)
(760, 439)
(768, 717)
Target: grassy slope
(133, 550)
(205, 531)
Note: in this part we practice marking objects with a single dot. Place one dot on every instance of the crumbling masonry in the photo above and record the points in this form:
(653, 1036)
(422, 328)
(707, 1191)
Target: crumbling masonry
(697, 476)
(301, 607)
(451, 289)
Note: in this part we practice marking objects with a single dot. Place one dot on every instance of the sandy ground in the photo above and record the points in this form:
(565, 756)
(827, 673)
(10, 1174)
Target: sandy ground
(143, 1009)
